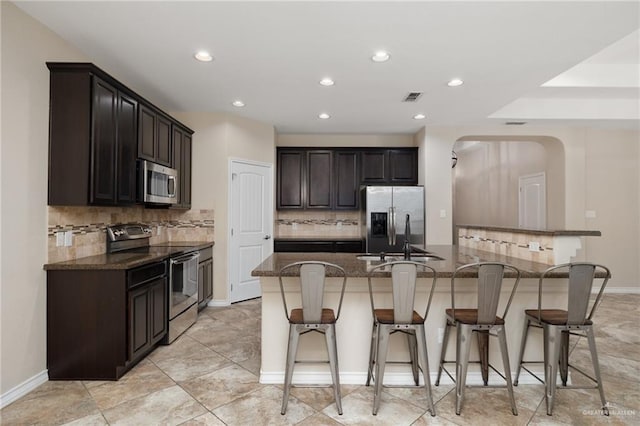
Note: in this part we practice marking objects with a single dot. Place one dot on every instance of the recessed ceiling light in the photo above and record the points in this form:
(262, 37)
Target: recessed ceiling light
(455, 82)
(323, 116)
(238, 103)
(203, 56)
(419, 117)
(380, 56)
(327, 82)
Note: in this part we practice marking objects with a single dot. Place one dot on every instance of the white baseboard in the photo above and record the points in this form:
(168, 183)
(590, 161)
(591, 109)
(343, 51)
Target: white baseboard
(390, 378)
(23, 388)
(622, 290)
(218, 303)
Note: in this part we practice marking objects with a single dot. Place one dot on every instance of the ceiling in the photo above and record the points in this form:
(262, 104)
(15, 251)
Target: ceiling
(539, 62)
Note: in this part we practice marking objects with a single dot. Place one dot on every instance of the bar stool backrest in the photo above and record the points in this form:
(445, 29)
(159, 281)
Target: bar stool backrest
(581, 278)
(490, 279)
(403, 276)
(403, 281)
(312, 287)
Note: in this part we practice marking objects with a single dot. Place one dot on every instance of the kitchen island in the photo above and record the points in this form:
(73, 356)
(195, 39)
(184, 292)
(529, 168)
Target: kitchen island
(354, 325)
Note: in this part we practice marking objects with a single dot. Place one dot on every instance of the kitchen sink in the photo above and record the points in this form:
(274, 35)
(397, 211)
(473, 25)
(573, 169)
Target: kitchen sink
(393, 257)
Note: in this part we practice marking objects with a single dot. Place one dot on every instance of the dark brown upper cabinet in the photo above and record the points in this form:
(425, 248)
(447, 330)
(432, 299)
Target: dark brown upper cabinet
(290, 186)
(330, 178)
(347, 179)
(97, 129)
(182, 162)
(390, 166)
(319, 176)
(92, 139)
(154, 137)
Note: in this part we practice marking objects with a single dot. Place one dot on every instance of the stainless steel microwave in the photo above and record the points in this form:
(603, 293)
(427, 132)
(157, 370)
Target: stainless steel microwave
(157, 184)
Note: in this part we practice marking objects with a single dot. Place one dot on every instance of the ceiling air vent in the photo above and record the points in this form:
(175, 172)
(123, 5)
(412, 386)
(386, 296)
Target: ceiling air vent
(515, 123)
(412, 97)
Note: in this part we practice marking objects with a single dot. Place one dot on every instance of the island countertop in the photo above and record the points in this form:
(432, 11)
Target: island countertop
(453, 255)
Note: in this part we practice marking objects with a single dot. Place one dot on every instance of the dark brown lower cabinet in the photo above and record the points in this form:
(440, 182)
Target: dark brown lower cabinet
(100, 323)
(205, 278)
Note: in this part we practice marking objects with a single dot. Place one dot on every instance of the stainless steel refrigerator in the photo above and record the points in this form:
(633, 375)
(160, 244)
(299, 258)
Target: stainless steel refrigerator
(383, 217)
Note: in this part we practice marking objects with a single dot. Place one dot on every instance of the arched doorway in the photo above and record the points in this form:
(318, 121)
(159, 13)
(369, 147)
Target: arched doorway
(485, 179)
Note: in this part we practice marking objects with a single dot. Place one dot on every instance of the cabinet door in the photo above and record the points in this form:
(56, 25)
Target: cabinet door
(139, 333)
(176, 163)
(374, 166)
(146, 133)
(201, 275)
(158, 310)
(403, 166)
(319, 175)
(208, 282)
(103, 143)
(126, 151)
(186, 171)
(347, 180)
(290, 183)
(163, 141)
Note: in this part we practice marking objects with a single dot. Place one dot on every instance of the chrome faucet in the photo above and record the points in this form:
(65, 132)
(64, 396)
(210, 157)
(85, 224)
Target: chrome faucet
(406, 248)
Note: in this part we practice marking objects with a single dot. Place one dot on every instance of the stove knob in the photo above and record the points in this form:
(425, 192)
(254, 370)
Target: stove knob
(147, 230)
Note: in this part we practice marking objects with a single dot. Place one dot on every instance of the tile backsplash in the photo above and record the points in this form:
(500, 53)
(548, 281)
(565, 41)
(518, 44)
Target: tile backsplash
(319, 224)
(88, 225)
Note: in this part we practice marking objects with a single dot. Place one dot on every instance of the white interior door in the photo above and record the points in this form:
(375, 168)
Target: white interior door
(251, 226)
(532, 206)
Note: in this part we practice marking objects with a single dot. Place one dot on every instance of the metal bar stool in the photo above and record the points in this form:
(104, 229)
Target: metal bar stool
(403, 318)
(484, 322)
(559, 324)
(313, 316)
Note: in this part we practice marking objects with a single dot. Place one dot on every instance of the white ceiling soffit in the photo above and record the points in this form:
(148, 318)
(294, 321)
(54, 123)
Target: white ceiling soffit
(271, 55)
(604, 88)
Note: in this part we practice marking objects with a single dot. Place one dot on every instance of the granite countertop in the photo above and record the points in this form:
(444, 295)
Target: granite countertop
(129, 259)
(454, 256)
(551, 232)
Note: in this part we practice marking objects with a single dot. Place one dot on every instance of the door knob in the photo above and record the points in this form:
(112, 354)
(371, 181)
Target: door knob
(267, 237)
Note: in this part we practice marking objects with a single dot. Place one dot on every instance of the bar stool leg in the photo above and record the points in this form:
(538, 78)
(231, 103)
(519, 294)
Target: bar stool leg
(413, 354)
(424, 361)
(372, 353)
(523, 344)
(463, 345)
(332, 349)
(552, 337)
(292, 350)
(443, 351)
(381, 359)
(502, 338)
(564, 357)
(596, 368)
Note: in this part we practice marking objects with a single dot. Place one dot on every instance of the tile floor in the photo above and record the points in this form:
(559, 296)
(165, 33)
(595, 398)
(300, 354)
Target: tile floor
(209, 376)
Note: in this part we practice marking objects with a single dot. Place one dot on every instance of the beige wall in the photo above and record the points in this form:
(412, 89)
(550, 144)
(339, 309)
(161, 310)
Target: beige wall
(601, 170)
(26, 46)
(344, 140)
(218, 138)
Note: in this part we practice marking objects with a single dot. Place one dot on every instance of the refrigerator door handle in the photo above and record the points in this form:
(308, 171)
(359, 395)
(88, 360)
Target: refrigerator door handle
(391, 226)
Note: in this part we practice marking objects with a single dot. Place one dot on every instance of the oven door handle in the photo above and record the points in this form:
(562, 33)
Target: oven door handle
(184, 259)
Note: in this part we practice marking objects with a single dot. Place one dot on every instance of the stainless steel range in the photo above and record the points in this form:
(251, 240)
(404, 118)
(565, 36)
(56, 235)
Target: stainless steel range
(183, 272)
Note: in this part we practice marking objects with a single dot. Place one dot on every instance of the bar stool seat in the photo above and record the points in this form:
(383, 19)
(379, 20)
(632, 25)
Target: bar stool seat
(468, 316)
(402, 318)
(312, 317)
(559, 324)
(483, 321)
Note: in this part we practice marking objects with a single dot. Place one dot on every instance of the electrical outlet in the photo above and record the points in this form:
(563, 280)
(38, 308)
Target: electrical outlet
(443, 213)
(158, 229)
(590, 214)
(440, 335)
(294, 225)
(339, 225)
(68, 238)
(59, 239)
(534, 246)
(476, 238)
